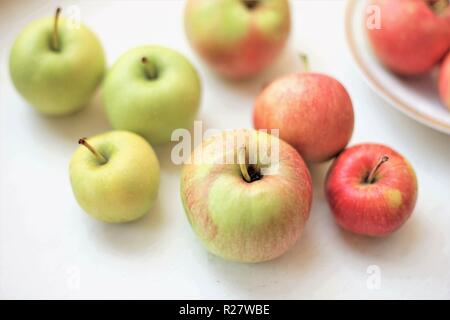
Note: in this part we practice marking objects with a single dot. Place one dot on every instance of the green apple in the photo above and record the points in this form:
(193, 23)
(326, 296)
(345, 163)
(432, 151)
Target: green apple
(115, 176)
(56, 65)
(152, 90)
(239, 212)
(238, 38)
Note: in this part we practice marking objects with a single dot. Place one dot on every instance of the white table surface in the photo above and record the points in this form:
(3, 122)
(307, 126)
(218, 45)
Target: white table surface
(49, 248)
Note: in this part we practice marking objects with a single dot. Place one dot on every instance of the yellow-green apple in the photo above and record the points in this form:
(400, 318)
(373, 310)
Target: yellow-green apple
(371, 189)
(444, 81)
(152, 90)
(115, 176)
(240, 210)
(238, 38)
(56, 65)
(412, 35)
(313, 112)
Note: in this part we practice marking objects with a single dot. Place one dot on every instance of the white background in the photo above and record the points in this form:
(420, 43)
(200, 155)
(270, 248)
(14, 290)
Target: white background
(50, 249)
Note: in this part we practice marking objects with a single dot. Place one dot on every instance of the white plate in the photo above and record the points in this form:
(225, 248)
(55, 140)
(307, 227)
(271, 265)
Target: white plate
(417, 98)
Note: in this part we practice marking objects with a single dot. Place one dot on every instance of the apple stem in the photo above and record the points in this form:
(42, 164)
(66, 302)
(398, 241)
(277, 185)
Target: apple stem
(243, 164)
(250, 172)
(55, 39)
(99, 157)
(149, 67)
(251, 4)
(371, 177)
(305, 62)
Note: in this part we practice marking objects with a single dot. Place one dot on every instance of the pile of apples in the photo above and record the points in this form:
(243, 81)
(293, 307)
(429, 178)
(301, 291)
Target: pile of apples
(237, 211)
(413, 38)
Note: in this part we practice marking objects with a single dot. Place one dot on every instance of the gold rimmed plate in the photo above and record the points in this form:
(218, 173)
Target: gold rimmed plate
(417, 98)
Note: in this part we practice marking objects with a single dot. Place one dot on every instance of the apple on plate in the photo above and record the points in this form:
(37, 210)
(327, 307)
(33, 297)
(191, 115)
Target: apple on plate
(238, 38)
(371, 189)
(56, 66)
(115, 176)
(244, 210)
(413, 35)
(152, 90)
(313, 112)
(444, 82)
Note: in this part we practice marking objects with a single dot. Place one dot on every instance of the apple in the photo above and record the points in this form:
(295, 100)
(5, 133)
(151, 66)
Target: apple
(152, 90)
(371, 189)
(238, 211)
(444, 81)
(238, 38)
(56, 66)
(115, 176)
(413, 35)
(313, 112)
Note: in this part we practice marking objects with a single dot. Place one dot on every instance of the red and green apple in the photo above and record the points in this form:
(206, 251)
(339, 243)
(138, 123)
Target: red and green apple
(238, 38)
(313, 112)
(237, 211)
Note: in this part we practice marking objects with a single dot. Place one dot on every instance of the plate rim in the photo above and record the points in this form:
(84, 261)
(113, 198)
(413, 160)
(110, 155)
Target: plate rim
(373, 82)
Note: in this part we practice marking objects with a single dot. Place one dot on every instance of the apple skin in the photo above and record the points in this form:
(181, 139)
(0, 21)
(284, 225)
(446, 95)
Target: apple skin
(410, 49)
(313, 112)
(241, 221)
(236, 41)
(125, 187)
(152, 108)
(56, 83)
(372, 209)
(444, 82)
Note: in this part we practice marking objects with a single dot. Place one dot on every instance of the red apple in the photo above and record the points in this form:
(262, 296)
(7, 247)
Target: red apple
(238, 38)
(444, 81)
(371, 189)
(414, 34)
(313, 112)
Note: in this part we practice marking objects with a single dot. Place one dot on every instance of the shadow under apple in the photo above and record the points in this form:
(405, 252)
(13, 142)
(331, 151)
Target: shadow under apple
(88, 122)
(395, 247)
(131, 237)
(318, 175)
(286, 63)
(253, 279)
(164, 152)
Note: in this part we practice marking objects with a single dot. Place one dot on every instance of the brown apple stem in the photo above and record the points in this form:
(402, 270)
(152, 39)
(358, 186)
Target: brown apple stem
(250, 172)
(243, 164)
(55, 38)
(371, 177)
(149, 67)
(251, 4)
(305, 62)
(101, 159)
